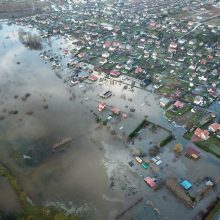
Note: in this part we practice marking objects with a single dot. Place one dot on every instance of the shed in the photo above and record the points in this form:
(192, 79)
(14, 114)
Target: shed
(186, 184)
(164, 102)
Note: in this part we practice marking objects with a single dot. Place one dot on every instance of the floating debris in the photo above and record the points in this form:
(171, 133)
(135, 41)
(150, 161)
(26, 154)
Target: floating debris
(29, 112)
(26, 96)
(61, 143)
(45, 106)
(13, 112)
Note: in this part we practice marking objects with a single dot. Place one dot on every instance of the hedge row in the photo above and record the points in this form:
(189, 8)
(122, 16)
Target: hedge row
(166, 140)
(139, 127)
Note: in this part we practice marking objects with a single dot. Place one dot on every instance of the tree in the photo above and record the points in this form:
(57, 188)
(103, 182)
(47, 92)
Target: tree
(178, 149)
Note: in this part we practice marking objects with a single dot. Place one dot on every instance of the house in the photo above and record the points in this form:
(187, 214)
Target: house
(214, 127)
(190, 53)
(138, 70)
(107, 44)
(115, 110)
(93, 78)
(81, 55)
(106, 95)
(192, 153)
(83, 75)
(203, 134)
(203, 61)
(181, 41)
(164, 102)
(217, 53)
(173, 45)
(103, 60)
(178, 104)
(115, 73)
(150, 182)
(105, 55)
(198, 100)
(186, 184)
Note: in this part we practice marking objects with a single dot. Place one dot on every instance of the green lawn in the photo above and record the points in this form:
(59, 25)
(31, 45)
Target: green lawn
(172, 114)
(212, 145)
(166, 89)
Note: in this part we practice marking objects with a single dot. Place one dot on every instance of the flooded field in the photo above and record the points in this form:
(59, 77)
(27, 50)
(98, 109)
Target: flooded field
(90, 174)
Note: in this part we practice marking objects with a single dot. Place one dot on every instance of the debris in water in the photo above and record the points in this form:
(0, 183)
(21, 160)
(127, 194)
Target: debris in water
(29, 112)
(61, 143)
(25, 97)
(13, 112)
(45, 106)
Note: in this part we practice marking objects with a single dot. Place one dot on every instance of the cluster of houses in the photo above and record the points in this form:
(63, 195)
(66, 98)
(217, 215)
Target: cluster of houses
(204, 134)
(137, 43)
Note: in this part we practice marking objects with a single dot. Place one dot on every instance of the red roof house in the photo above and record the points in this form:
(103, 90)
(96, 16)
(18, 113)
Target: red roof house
(115, 73)
(107, 44)
(115, 110)
(203, 134)
(92, 77)
(203, 61)
(214, 127)
(138, 70)
(178, 104)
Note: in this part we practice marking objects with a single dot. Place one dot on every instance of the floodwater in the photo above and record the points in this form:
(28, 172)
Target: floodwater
(8, 202)
(36, 113)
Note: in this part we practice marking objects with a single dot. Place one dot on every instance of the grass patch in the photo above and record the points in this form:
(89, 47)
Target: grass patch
(183, 110)
(211, 145)
(166, 90)
(188, 135)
